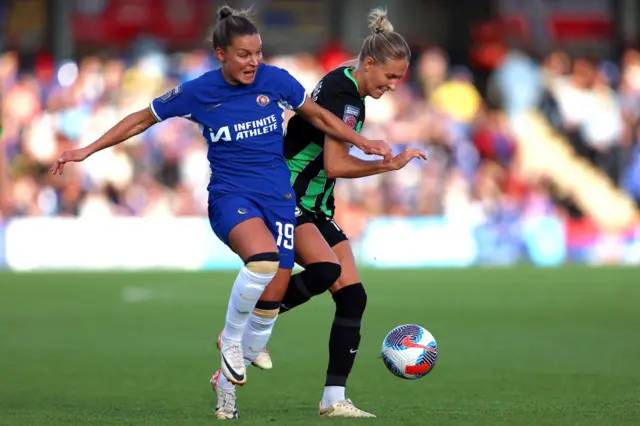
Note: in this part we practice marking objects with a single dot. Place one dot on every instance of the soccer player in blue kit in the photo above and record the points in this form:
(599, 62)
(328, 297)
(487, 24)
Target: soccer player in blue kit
(240, 111)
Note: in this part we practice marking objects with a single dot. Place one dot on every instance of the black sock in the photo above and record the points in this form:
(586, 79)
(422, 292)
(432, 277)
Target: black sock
(314, 280)
(345, 333)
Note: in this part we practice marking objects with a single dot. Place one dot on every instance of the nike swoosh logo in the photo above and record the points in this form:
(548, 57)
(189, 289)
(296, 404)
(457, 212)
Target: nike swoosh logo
(351, 351)
(238, 377)
(407, 343)
(213, 107)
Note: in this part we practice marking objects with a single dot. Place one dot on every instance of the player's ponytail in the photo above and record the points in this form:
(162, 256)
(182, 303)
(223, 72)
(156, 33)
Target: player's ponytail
(231, 23)
(384, 43)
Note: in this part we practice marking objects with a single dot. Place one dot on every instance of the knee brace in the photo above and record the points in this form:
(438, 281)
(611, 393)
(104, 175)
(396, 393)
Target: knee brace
(314, 280)
(351, 302)
(263, 263)
(317, 278)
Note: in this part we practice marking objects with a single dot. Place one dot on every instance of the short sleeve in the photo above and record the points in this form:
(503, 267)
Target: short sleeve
(342, 104)
(177, 102)
(292, 92)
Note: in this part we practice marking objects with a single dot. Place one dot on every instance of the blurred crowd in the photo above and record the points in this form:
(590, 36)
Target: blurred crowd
(596, 106)
(471, 176)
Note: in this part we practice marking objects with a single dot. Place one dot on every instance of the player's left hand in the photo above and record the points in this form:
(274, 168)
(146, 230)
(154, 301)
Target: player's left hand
(408, 154)
(377, 147)
(73, 155)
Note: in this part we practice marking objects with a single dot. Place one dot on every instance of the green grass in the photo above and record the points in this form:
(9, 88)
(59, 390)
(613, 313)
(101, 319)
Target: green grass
(517, 347)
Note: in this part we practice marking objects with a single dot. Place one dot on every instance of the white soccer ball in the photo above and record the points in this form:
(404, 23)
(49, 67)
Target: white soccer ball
(409, 351)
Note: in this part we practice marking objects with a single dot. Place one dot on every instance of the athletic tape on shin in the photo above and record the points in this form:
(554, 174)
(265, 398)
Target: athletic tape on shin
(266, 310)
(266, 314)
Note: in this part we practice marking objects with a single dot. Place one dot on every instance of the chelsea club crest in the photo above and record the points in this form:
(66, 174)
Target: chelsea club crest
(262, 100)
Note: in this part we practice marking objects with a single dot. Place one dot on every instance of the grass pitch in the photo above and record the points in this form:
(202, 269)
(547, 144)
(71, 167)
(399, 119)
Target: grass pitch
(517, 347)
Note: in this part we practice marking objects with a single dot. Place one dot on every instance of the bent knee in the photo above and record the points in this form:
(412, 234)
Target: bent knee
(321, 276)
(351, 300)
(263, 263)
(328, 272)
(332, 272)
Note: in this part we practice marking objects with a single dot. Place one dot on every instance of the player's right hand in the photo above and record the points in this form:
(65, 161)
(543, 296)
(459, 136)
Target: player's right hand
(378, 147)
(73, 155)
(408, 154)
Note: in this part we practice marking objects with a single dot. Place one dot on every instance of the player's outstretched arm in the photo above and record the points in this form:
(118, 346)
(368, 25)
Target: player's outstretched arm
(331, 125)
(131, 125)
(339, 163)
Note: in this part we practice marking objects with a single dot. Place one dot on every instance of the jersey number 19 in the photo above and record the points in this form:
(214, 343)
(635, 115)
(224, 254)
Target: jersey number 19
(285, 235)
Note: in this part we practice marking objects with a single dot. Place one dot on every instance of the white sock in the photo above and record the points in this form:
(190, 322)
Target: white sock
(246, 291)
(224, 383)
(256, 335)
(332, 394)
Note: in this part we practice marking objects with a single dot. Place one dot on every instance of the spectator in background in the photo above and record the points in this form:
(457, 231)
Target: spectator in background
(493, 139)
(457, 97)
(631, 173)
(629, 87)
(555, 68)
(601, 128)
(516, 84)
(432, 70)
(571, 93)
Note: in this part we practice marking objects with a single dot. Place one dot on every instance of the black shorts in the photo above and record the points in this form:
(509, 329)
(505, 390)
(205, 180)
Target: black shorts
(328, 227)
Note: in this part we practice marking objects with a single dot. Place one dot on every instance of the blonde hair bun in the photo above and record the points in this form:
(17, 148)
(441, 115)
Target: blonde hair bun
(379, 22)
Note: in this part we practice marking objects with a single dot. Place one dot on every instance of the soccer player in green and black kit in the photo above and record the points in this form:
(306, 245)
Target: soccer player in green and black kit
(316, 161)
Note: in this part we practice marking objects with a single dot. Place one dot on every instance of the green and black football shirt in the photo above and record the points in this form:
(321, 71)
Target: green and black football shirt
(304, 144)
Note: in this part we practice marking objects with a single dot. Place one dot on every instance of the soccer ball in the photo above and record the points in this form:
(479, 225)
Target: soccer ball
(409, 351)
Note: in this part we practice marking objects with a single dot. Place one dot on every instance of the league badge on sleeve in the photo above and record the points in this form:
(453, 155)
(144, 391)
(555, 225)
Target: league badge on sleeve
(350, 116)
(171, 94)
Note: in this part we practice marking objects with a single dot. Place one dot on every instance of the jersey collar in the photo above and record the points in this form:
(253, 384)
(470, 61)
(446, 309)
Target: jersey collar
(350, 77)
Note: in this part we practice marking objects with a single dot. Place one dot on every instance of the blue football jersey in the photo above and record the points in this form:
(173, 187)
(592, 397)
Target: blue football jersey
(243, 127)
